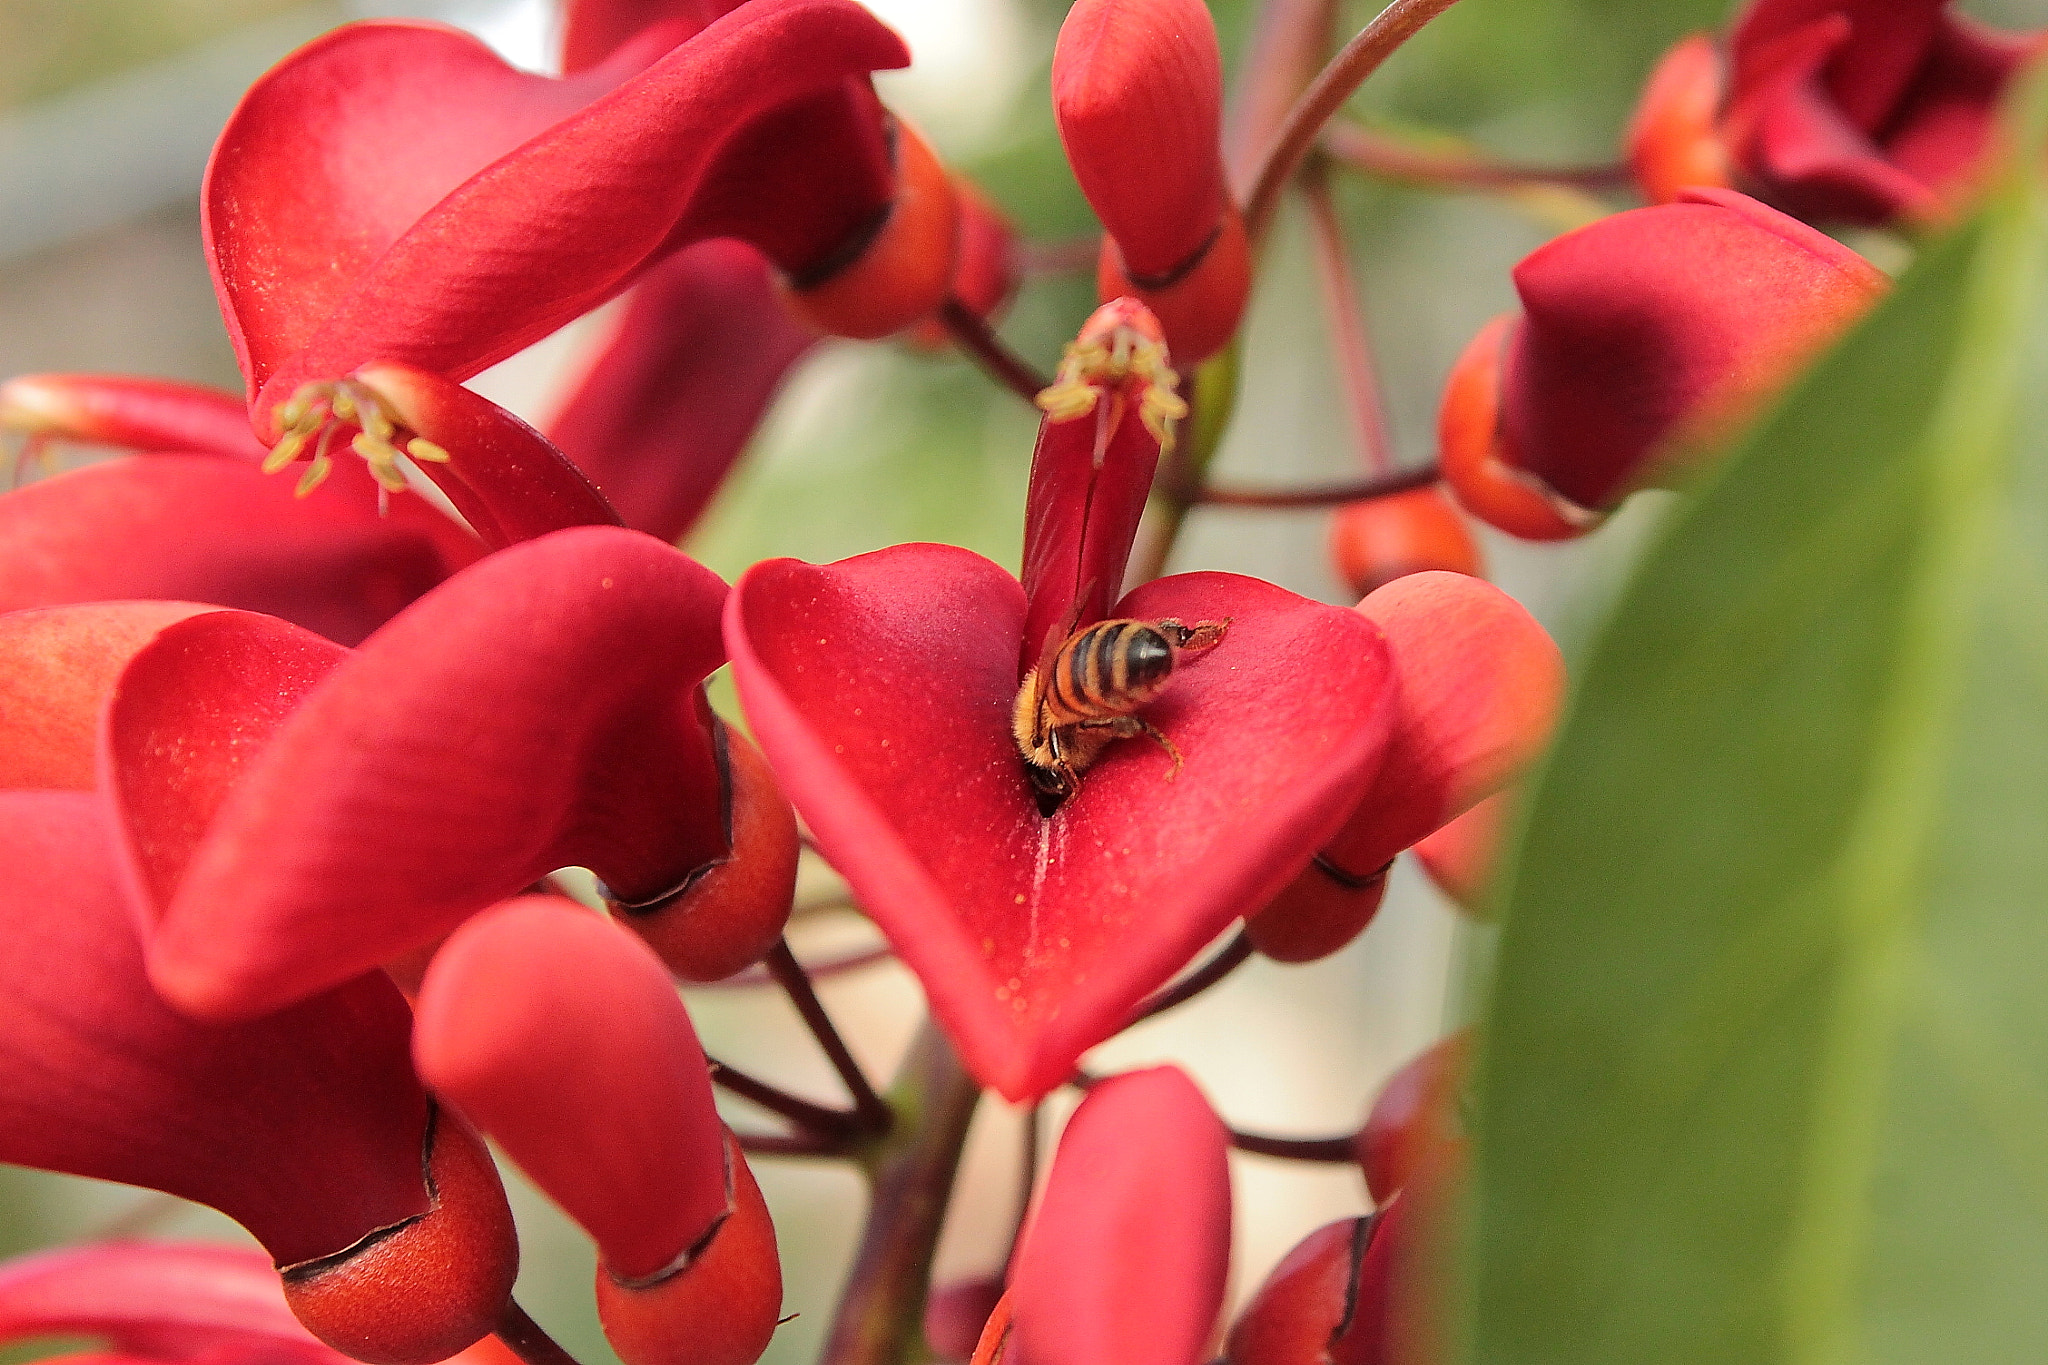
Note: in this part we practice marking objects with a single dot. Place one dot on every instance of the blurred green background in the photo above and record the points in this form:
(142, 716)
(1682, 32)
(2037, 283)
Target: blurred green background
(107, 107)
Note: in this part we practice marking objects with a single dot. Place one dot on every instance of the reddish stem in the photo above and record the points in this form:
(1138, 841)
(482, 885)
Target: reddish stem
(816, 1118)
(1321, 495)
(1390, 158)
(1362, 56)
(1355, 365)
(972, 334)
(1227, 960)
(871, 1112)
(528, 1339)
(1332, 1150)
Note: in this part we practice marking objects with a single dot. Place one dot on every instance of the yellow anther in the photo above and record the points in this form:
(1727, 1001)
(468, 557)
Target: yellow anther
(322, 411)
(1088, 366)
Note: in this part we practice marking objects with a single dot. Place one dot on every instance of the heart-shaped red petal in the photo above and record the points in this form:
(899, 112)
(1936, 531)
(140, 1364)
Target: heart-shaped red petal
(882, 688)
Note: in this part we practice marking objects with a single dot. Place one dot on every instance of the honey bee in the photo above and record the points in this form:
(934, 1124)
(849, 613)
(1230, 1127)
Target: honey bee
(1083, 696)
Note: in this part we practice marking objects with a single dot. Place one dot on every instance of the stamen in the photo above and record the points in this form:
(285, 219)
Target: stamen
(1088, 366)
(324, 410)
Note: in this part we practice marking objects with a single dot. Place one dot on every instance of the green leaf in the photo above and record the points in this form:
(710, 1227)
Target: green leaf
(1767, 1070)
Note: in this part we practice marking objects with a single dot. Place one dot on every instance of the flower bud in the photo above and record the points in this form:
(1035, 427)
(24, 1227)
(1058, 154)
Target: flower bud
(902, 271)
(1468, 442)
(1415, 1116)
(1673, 140)
(1138, 93)
(986, 265)
(1306, 1303)
(1377, 540)
(732, 911)
(1647, 336)
(1480, 683)
(1460, 857)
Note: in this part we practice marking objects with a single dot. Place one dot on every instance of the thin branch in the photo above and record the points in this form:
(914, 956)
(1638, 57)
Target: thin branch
(816, 1118)
(1334, 1150)
(1227, 960)
(1355, 365)
(1459, 167)
(871, 1112)
(775, 1144)
(527, 1339)
(1062, 257)
(1322, 495)
(831, 966)
(1377, 41)
(971, 332)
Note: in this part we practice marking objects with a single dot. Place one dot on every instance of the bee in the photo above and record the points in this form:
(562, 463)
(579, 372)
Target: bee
(1083, 696)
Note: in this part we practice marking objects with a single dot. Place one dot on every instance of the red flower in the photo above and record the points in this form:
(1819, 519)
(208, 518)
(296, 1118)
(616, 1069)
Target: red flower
(884, 687)
(1643, 338)
(1127, 1254)
(561, 1036)
(307, 1127)
(1853, 111)
(294, 813)
(1137, 87)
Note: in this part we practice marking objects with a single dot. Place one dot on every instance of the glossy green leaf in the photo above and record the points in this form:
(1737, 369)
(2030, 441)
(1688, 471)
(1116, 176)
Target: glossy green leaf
(1767, 1078)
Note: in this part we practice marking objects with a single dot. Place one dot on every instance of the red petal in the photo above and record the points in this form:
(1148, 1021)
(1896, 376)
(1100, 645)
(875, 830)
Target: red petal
(675, 395)
(1090, 476)
(1137, 87)
(1652, 326)
(159, 1300)
(1415, 1117)
(202, 529)
(57, 667)
(1305, 1302)
(1127, 1254)
(1673, 139)
(594, 29)
(1480, 685)
(882, 687)
(505, 478)
(306, 1127)
(535, 200)
(189, 714)
(123, 410)
(1883, 44)
(1460, 857)
(561, 1035)
(540, 709)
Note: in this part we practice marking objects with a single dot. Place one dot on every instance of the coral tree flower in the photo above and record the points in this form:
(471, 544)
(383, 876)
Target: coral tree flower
(339, 237)
(883, 688)
(1128, 1252)
(307, 1126)
(293, 813)
(1137, 87)
(1643, 338)
(1847, 111)
(561, 1036)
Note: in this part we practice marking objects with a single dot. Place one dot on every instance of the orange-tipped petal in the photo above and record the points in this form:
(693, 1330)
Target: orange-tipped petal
(1460, 857)
(1468, 442)
(1674, 139)
(561, 1036)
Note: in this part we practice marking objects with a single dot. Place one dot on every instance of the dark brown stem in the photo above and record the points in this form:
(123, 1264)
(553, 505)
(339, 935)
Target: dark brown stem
(1027, 1182)
(1335, 1150)
(816, 1118)
(972, 334)
(1227, 960)
(880, 1316)
(1391, 158)
(1355, 365)
(871, 1113)
(1061, 258)
(831, 966)
(527, 1339)
(1377, 41)
(775, 1144)
(1322, 495)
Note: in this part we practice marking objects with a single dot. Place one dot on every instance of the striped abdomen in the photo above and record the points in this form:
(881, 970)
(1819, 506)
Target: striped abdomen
(1110, 669)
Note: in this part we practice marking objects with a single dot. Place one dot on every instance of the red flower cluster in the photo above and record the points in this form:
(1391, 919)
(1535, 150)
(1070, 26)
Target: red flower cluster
(287, 770)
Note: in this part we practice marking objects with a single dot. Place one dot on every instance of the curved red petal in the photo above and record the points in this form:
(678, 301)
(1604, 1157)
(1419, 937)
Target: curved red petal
(881, 687)
(508, 481)
(129, 411)
(58, 665)
(594, 29)
(159, 1300)
(1127, 1254)
(1304, 1302)
(434, 260)
(1480, 685)
(560, 1035)
(199, 528)
(307, 1127)
(1137, 87)
(1657, 325)
(540, 709)
(672, 399)
(187, 716)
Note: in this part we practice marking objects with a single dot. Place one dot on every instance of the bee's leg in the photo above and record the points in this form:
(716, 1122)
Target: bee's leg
(1129, 727)
(1192, 639)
